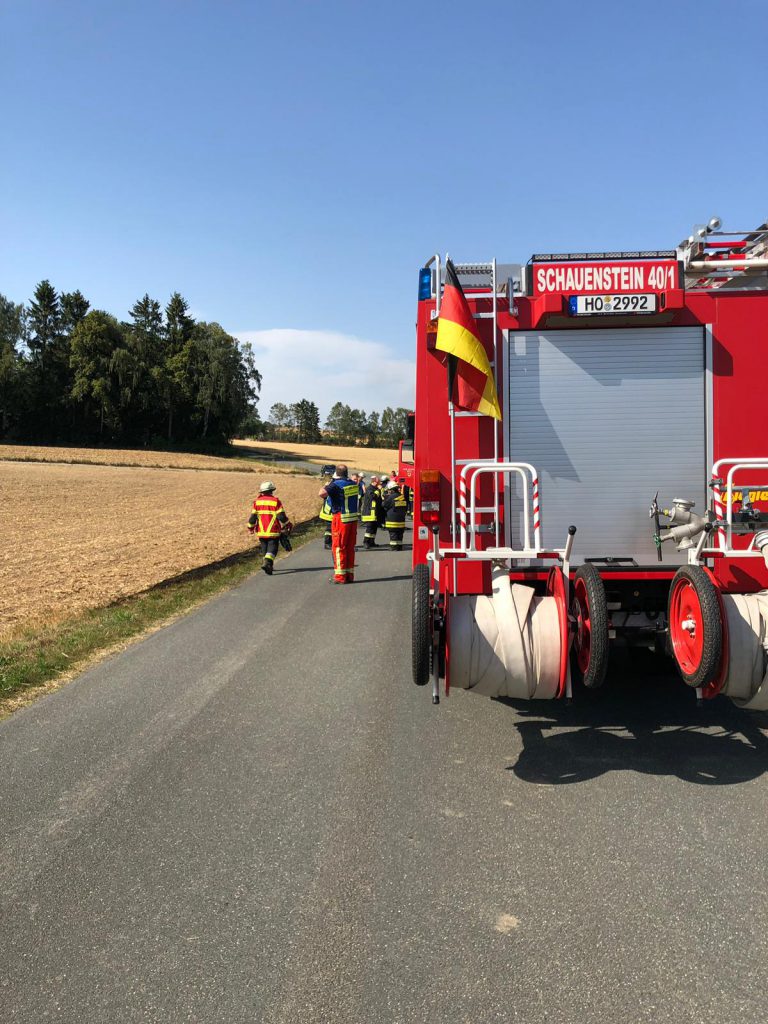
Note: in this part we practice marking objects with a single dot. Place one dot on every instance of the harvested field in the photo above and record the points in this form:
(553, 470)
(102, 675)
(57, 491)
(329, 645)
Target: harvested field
(125, 457)
(372, 460)
(77, 537)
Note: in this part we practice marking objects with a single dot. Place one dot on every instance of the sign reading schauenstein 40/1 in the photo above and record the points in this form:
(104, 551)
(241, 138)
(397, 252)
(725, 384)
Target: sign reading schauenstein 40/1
(605, 278)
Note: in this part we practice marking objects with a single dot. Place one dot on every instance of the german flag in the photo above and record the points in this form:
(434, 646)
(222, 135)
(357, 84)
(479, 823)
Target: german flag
(470, 377)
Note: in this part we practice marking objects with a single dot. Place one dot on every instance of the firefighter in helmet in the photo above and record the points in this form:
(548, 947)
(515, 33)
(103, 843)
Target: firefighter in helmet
(268, 521)
(394, 515)
(369, 509)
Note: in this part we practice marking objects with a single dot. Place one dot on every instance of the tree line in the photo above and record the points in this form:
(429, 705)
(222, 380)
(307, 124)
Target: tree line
(343, 425)
(69, 373)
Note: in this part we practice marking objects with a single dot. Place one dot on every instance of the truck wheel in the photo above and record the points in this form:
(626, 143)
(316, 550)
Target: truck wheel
(421, 626)
(695, 625)
(590, 611)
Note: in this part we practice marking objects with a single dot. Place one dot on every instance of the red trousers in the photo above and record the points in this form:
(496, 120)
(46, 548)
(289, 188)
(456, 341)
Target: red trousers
(343, 540)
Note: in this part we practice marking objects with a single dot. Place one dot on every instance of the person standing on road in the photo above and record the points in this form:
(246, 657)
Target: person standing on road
(326, 516)
(408, 495)
(344, 496)
(394, 515)
(268, 521)
(370, 512)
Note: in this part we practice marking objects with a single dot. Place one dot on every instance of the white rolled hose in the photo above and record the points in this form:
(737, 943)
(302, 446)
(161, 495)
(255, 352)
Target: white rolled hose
(505, 645)
(746, 682)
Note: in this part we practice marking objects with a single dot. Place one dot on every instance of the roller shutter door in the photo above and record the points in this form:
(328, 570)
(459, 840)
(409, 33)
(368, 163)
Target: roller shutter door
(608, 418)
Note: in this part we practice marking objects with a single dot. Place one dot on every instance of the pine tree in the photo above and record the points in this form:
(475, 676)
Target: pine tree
(44, 319)
(74, 307)
(168, 374)
(307, 420)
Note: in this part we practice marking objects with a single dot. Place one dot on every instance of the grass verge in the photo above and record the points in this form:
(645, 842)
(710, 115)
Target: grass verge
(42, 658)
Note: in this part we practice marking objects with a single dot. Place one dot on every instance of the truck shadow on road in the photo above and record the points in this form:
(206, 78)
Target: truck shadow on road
(649, 725)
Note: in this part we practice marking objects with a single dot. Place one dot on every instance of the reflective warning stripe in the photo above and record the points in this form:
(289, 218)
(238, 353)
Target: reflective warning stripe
(267, 511)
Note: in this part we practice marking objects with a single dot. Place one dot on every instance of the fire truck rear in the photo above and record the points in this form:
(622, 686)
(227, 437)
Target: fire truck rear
(622, 499)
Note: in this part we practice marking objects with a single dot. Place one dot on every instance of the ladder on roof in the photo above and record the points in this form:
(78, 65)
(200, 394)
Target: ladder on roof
(713, 258)
(483, 282)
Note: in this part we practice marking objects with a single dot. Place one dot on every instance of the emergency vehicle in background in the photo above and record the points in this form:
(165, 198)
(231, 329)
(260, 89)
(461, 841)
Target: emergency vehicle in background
(622, 499)
(405, 467)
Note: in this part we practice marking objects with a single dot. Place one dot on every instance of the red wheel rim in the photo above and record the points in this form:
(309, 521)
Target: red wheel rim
(556, 588)
(686, 626)
(583, 638)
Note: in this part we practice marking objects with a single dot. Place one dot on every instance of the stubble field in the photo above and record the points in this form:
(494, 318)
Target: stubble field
(125, 457)
(82, 536)
(372, 460)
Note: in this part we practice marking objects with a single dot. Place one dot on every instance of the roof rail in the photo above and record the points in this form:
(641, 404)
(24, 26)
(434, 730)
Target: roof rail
(713, 258)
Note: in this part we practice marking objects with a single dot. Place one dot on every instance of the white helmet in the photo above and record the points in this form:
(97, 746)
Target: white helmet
(267, 485)
(392, 485)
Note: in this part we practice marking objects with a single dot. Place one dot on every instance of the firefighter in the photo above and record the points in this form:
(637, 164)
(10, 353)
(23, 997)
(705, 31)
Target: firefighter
(369, 508)
(394, 515)
(326, 516)
(344, 496)
(408, 495)
(268, 522)
(359, 479)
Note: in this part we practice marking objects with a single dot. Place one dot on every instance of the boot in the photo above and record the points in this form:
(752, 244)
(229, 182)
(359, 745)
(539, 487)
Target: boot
(268, 568)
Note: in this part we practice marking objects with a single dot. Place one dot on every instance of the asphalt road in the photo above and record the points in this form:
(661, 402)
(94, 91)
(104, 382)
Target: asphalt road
(253, 815)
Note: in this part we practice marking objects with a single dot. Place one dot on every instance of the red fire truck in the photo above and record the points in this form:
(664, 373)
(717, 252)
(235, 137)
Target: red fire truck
(622, 499)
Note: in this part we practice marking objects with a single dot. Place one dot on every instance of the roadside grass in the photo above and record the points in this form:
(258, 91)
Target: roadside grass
(42, 657)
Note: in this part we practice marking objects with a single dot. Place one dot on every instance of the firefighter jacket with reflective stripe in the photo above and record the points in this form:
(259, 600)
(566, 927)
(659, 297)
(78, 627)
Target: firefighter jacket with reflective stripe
(394, 511)
(344, 496)
(370, 504)
(268, 516)
(325, 512)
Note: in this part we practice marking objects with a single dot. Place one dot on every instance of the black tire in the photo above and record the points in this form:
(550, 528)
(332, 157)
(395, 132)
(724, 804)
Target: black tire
(588, 586)
(709, 646)
(421, 626)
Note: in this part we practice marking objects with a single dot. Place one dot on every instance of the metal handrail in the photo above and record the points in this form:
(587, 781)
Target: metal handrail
(438, 283)
(755, 464)
(468, 477)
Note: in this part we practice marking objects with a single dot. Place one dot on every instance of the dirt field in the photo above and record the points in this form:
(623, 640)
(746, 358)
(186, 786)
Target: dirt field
(122, 457)
(372, 460)
(77, 537)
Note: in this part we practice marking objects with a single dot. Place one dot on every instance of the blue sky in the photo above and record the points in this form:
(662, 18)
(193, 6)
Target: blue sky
(288, 166)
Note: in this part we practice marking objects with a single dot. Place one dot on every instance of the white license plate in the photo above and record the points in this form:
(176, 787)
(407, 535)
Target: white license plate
(589, 305)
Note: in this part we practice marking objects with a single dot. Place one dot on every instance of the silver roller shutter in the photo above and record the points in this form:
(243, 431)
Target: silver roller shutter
(608, 417)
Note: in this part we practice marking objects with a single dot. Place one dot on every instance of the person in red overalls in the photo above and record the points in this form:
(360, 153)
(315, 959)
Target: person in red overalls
(268, 521)
(344, 496)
